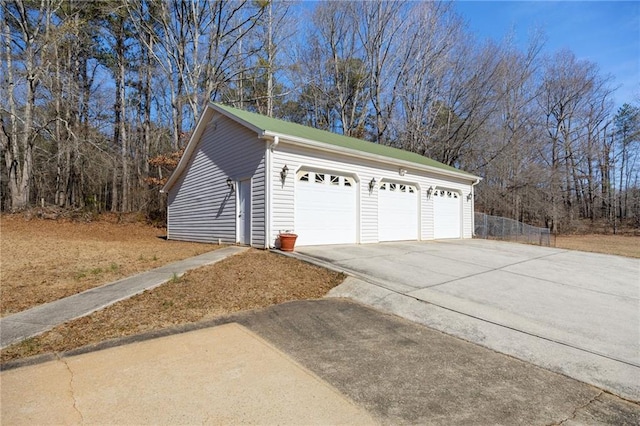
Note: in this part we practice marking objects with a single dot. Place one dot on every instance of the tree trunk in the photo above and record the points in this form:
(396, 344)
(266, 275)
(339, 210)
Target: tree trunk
(19, 143)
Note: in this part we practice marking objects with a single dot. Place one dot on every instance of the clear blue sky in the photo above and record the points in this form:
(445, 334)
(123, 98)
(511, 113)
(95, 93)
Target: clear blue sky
(604, 32)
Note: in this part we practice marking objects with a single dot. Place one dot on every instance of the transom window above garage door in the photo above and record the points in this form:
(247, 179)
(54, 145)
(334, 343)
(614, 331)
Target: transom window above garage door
(445, 194)
(326, 178)
(397, 187)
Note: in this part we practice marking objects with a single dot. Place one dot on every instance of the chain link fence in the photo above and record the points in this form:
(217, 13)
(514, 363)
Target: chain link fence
(502, 228)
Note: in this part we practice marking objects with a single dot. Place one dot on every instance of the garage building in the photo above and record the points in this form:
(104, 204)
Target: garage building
(244, 178)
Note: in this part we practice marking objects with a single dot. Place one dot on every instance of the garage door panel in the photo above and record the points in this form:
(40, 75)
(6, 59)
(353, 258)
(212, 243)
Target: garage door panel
(325, 209)
(397, 212)
(447, 214)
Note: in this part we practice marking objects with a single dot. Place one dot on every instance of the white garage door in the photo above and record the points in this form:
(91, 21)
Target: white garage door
(447, 214)
(397, 212)
(325, 208)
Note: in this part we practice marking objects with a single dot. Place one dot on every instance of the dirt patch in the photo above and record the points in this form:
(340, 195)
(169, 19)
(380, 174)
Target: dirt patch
(621, 245)
(250, 280)
(45, 260)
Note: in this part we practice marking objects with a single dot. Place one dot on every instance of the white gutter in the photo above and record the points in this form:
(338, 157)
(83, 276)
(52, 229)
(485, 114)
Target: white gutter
(308, 143)
(268, 211)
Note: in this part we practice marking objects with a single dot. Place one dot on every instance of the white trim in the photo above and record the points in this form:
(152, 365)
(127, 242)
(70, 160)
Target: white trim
(268, 208)
(237, 119)
(268, 182)
(265, 134)
(308, 143)
(239, 221)
(267, 196)
(236, 196)
(188, 151)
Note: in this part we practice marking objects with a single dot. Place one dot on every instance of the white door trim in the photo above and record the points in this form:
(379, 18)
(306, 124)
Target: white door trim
(243, 218)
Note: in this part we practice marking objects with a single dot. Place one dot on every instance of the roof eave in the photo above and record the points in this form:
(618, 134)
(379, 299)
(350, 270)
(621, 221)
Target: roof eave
(207, 115)
(302, 142)
(191, 146)
(237, 119)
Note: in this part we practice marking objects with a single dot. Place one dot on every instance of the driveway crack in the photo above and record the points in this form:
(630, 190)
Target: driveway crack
(577, 409)
(71, 391)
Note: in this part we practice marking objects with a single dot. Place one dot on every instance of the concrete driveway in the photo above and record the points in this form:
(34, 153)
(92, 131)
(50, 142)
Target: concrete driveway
(571, 312)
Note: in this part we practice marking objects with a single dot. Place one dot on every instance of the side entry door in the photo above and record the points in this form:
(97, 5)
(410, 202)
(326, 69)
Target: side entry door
(244, 212)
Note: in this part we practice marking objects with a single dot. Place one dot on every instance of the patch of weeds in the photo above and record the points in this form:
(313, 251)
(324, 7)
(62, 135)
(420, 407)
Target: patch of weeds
(176, 278)
(114, 267)
(80, 274)
(96, 271)
(167, 304)
(29, 345)
(141, 258)
(155, 257)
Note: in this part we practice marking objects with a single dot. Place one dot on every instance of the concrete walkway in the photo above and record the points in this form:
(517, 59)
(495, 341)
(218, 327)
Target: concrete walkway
(37, 320)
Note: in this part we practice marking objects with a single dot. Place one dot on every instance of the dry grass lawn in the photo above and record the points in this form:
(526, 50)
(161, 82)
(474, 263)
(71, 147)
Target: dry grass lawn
(249, 280)
(45, 260)
(621, 245)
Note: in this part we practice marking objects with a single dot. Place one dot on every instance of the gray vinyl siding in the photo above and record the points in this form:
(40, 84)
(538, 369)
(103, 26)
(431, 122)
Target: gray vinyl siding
(283, 201)
(200, 205)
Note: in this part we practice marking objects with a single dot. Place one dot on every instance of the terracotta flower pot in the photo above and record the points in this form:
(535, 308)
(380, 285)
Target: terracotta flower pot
(287, 241)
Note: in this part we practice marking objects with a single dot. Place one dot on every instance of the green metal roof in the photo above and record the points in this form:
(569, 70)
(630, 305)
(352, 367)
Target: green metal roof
(284, 128)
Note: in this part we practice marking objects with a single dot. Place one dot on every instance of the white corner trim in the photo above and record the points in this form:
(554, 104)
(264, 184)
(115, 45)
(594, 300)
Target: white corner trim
(268, 211)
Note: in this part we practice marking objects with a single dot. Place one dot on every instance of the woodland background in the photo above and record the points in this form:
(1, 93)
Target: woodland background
(98, 99)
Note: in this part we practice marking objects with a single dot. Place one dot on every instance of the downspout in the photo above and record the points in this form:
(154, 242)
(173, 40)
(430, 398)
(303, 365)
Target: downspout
(269, 191)
(473, 208)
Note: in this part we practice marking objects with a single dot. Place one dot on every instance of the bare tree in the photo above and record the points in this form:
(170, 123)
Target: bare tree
(96, 98)
(428, 49)
(507, 148)
(334, 78)
(382, 29)
(258, 83)
(23, 30)
(569, 88)
(194, 44)
(627, 124)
